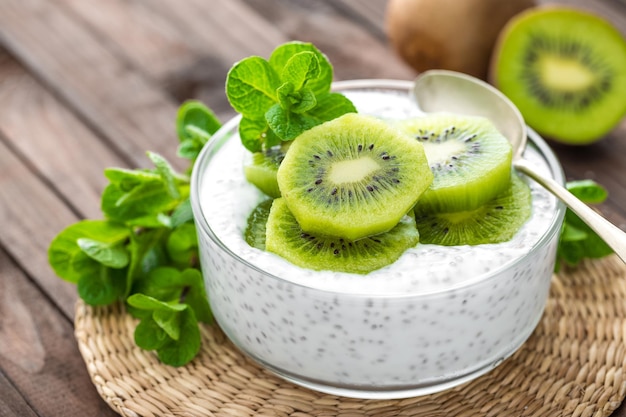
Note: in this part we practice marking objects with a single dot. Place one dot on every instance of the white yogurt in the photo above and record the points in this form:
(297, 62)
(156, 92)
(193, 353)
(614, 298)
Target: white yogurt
(435, 318)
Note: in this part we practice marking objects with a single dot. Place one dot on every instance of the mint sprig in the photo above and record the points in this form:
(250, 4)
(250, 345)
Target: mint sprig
(145, 251)
(577, 240)
(281, 98)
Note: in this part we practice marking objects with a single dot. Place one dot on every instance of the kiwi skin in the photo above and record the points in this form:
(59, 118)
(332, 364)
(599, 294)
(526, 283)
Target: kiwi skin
(457, 35)
(497, 221)
(285, 237)
(579, 127)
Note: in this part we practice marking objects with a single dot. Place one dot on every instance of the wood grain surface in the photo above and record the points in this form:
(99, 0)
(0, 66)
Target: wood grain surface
(89, 84)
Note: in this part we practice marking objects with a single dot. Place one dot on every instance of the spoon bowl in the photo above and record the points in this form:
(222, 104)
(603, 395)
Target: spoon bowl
(454, 92)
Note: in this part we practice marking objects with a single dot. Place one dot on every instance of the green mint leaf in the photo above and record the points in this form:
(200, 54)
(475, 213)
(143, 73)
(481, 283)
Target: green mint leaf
(301, 68)
(151, 221)
(285, 93)
(189, 149)
(283, 53)
(145, 253)
(182, 214)
(195, 295)
(195, 121)
(162, 283)
(572, 253)
(113, 256)
(145, 302)
(252, 133)
(588, 191)
(144, 199)
(169, 321)
(64, 247)
(182, 245)
(169, 285)
(100, 285)
(182, 351)
(572, 234)
(578, 241)
(287, 125)
(251, 87)
(330, 106)
(167, 173)
(296, 102)
(127, 179)
(149, 336)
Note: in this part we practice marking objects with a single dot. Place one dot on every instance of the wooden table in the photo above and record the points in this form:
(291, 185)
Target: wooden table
(88, 84)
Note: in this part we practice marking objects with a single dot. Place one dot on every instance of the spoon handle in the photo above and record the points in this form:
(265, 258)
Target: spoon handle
(611, 234)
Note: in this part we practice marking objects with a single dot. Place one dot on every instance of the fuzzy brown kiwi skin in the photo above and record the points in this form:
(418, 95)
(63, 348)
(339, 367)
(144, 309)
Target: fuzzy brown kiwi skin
(449, 34)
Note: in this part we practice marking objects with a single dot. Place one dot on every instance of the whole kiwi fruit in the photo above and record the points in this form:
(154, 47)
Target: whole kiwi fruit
(449, 34)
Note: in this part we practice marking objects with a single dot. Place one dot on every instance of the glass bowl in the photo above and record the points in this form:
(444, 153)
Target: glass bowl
(433, 320)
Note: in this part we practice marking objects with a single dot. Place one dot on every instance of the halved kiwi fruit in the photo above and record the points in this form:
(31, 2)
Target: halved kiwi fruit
(256, 225)
(285, 237)
(262, 167)
(470, 160)
(565, 70)
(495, 222)
(352, 177)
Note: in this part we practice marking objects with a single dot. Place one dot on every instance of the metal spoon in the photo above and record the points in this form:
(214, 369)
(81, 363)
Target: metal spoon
(449, 91)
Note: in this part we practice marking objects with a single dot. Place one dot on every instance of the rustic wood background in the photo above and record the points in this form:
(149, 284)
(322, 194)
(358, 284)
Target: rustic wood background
(88, 84)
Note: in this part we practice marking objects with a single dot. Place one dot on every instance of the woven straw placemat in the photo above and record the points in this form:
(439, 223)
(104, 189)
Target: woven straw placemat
(572, 365)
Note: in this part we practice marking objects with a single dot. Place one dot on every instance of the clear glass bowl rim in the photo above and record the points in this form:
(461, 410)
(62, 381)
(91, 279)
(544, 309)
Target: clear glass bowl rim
(222, 135)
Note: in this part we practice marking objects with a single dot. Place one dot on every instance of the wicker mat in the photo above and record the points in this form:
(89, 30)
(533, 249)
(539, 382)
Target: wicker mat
(573, 365)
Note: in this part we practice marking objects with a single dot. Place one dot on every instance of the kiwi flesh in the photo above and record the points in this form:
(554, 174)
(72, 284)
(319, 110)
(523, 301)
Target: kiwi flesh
(285, 237)
(565, 69)
(496, 221)
(262, 167)
(470, 160)
(352, 177)
(257, 223)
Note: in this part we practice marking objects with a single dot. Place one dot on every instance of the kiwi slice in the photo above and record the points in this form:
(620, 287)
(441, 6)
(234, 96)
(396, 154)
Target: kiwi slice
(286, 238)
(495, 222)
(470, 160)
(256, 224)
(262, 168)
(352, 177)
(565, 70)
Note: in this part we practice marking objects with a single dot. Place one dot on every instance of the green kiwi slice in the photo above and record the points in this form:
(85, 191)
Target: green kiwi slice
(286, 238)
(352, 177)
(256, 225)
(470, 160)
(262, 167)
(565, 70)
(495, 222)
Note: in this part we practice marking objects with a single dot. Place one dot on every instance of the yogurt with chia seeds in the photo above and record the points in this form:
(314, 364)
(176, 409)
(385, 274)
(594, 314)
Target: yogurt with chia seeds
(437, 317)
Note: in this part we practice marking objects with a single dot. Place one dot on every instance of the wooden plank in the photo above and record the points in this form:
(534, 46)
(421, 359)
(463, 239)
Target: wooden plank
(369, 14)
(149, 41)
(181, 45)
(353, 51)
(115, 99)
(227, 29)
(76, 170)
(221, 33)
(44, 167)
(31, 215)
(12, 404)
(38, 352)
